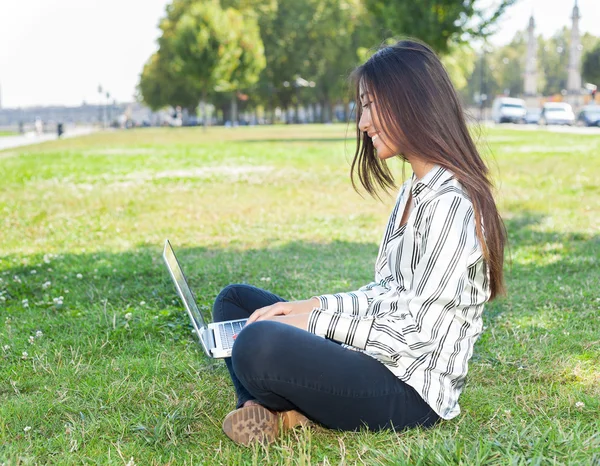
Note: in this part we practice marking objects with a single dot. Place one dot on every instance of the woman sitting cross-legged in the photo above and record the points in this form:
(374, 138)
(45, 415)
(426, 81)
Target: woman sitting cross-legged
(393, 354)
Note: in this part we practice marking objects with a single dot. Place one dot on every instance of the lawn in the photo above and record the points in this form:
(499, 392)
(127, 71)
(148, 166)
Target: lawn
(97, 361)
(7, 133)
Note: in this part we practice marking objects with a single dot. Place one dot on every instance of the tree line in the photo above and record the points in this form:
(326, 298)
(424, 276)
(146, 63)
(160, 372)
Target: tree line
(286, 53)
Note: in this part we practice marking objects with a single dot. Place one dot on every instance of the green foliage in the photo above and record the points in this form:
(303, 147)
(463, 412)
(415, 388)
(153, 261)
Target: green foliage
(507, 67)
(553, 55)
(591, 65)
(162, 83)
(116, 377)
(438, 22)
(459, 63)
(202, 48)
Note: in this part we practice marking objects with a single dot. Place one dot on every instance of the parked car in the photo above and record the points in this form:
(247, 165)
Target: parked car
(533, 116)
(589, 116)
(557, 113)
(508, 110)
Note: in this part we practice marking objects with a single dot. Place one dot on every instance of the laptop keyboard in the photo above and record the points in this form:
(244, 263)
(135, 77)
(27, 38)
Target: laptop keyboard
(228, 330)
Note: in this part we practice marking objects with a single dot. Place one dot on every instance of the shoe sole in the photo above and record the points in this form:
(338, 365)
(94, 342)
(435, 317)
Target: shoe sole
(251, 424)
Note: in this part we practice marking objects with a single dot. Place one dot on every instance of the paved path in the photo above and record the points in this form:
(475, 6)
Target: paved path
(9, 142)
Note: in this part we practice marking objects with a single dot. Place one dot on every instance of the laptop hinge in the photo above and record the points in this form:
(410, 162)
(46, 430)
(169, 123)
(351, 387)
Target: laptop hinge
(209, 336)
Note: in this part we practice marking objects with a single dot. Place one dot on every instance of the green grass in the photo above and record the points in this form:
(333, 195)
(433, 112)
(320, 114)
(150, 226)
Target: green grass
(7, 133)
(116, 374)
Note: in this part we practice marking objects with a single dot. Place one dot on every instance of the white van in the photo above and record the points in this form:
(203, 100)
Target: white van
(508, 110)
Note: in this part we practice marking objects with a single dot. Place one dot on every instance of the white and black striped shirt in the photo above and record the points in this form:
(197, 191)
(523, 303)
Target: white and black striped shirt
(422, 314)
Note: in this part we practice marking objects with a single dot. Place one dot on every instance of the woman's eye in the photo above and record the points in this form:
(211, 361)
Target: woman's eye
(366, 105)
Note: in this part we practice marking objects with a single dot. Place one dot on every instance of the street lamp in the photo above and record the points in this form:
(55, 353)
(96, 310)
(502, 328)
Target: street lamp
(106, 115)
(100, 105)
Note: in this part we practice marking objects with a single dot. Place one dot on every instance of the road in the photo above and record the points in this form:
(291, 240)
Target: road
(551, 128)
(9, 142)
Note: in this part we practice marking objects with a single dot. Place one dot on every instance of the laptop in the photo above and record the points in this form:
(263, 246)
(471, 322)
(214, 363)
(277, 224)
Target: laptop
(217, 338)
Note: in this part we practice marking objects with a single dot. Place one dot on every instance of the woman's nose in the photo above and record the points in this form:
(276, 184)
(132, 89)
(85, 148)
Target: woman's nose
(363, 123)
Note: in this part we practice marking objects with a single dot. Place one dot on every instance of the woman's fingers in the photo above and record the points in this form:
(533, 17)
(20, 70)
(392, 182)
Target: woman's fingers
(268, 312)
(256, 314)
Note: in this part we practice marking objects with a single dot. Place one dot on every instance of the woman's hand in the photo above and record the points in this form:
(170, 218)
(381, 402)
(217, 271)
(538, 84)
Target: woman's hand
(284, 309)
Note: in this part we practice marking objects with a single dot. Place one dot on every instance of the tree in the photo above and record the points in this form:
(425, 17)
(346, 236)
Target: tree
(248, 57)
(591, 66)
(507, 66)
(309, 41)
(553, 55)
(202, 48)
(162, 84)
(459, 63)
(439, 23)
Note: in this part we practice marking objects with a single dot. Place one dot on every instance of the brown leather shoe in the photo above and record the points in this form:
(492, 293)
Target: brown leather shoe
(291, 419)
(255, 423)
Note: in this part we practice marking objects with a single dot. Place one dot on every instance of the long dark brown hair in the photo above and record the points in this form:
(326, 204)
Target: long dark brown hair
(418, 105)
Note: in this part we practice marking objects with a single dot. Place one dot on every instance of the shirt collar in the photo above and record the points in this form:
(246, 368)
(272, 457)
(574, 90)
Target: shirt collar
(431, 181)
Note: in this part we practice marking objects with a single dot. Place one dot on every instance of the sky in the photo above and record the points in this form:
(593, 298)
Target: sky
(58, 52)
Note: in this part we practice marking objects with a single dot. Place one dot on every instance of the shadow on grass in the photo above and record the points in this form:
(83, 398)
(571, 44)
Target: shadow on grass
(549, 271)
(100, 288)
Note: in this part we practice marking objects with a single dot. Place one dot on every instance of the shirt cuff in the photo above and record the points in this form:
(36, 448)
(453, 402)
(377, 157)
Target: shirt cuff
(343, 328)
(355, 302)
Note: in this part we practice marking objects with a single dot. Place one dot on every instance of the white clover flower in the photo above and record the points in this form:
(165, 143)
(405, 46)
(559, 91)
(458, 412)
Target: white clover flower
(49, 269)
(17, 279)
(25, 303)
(2, 298)
(58, 301)
(47, 258)
(1, 280)
(128, 316)
(79, 276)
(27, 428)
(46, 285)
(265, 279)
(31, 339)
(6, 347)
(580, 404)
(39, 334)
(33, 272)
(24, 355)
(142, 303)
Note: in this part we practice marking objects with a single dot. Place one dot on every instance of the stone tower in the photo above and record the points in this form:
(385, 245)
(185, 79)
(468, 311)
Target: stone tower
(574, 78)
(531, 63)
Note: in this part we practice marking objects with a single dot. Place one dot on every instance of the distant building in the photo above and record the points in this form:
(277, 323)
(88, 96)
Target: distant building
(531, 74)
(83, 115)
(574, 84)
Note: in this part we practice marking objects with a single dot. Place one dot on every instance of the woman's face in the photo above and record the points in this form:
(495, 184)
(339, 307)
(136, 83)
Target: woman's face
(369, 123)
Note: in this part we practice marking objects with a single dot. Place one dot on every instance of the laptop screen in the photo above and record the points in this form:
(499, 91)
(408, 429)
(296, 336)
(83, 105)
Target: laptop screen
(182, 285)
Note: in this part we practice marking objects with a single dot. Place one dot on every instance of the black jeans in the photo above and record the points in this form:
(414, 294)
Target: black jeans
(284, 368)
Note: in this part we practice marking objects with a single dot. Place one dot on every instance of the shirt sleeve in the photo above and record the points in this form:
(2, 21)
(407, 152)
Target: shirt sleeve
(353, 302)
(417, 322)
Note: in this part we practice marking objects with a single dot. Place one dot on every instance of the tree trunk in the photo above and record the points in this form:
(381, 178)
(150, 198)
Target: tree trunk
(204, 111)
(234, 116)
(324, 111)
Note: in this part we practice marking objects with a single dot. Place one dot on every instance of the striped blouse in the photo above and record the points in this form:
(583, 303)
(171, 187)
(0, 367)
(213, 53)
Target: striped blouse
(422, 314)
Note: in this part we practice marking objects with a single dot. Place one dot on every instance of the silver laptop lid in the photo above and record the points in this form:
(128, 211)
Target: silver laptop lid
(184, 291)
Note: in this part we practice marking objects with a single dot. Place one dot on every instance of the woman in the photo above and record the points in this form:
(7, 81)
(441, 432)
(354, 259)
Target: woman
(393, 354)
